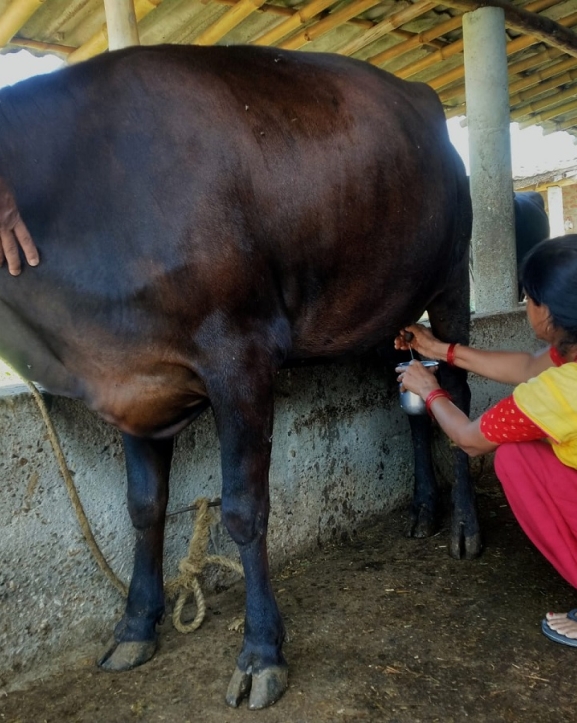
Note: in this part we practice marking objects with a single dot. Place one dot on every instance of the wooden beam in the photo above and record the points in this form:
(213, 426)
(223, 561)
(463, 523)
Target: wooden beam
(387, 25)
(63, 50)
(15, 16)
(327, 24)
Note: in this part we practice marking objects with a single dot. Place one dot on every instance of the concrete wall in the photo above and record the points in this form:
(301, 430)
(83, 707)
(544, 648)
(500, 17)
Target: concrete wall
(341, 455)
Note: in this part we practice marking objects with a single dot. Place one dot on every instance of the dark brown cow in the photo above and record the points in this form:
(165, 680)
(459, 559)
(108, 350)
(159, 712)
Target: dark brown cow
(204, 216)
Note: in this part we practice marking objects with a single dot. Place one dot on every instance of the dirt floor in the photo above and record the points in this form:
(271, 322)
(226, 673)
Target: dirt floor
(381, 628)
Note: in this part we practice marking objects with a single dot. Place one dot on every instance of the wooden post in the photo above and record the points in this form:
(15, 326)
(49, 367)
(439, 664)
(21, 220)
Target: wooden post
(121, 24)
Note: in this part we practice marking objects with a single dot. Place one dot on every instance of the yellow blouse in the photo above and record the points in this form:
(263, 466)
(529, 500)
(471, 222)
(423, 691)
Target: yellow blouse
(550, 401)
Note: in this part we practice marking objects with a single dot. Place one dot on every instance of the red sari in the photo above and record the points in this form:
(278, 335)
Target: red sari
(541, 490)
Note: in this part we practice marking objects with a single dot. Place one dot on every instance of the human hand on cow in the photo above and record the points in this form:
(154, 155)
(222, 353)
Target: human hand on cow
(417, 378)
(420, 338)
(13, 233)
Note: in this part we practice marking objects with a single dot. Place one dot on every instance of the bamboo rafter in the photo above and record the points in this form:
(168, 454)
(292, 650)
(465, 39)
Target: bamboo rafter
(15, 16)
(513, 46)
(418, 40)
(548, 114)
(519, 67)
(456, 48)
(299, 17)
(233, 17)
(541, 105)
(525, 21)
(561, 125)
(555, 80)
(63, 50)
(327, 24)
(387, 25)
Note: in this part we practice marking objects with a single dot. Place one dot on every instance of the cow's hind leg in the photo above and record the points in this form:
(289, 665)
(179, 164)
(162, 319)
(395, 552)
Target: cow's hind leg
(242, 401)
(135, 636)
(449, 316)
(424, 515)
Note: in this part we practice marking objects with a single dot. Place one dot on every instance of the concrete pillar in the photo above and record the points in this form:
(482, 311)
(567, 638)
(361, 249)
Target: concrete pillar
(121, 24)
(487, 95)
(556, 215)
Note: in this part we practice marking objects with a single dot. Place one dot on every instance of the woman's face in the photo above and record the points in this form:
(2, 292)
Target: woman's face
(540, 321)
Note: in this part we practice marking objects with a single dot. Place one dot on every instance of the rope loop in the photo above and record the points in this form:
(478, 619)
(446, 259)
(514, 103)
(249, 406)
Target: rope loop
(190, 567)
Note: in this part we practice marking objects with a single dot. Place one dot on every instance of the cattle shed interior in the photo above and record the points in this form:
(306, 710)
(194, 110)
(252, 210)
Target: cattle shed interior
(339, 431)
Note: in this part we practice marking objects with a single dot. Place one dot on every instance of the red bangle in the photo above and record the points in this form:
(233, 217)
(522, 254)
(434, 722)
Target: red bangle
(436, 394)
(451, 355)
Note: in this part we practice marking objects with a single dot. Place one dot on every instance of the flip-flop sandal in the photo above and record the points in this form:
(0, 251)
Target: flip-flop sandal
(559, 637)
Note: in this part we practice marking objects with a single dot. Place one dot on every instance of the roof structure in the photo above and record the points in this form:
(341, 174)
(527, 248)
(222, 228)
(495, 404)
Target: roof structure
(414, 39)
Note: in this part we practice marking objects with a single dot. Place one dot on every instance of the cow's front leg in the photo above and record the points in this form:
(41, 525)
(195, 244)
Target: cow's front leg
(244, 413)
(135, 636)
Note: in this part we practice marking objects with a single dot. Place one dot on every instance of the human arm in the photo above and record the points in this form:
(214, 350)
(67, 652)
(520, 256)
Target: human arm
(13, 233)
(507, 367)
(465, 433)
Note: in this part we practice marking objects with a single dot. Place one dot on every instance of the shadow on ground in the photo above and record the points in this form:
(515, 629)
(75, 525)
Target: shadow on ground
(381, 628)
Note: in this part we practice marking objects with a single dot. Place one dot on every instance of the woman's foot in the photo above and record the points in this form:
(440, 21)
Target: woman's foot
(561, 627)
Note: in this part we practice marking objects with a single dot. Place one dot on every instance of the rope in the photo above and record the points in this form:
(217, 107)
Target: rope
(190, 567)
(73, 494)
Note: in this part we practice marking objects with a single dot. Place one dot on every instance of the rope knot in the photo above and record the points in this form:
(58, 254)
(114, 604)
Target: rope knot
(192, 566)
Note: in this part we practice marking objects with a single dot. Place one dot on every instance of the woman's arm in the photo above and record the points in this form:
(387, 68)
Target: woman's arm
(465, 433)
(455, 423)
(13, 233)
(508, 367)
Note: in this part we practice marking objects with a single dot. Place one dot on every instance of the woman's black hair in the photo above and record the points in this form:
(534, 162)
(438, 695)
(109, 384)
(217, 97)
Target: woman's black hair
(548, 276)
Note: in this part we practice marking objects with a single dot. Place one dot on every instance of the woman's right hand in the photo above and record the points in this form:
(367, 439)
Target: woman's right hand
(421, 339)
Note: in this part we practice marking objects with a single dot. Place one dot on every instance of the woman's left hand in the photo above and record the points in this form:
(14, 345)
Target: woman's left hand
(418, 379)
(14, 234)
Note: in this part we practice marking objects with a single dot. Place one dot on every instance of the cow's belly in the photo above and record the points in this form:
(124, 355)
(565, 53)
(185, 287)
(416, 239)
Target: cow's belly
(155, 403)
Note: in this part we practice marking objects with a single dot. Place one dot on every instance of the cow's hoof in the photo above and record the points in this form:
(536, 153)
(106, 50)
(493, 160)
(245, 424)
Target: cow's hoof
(422, 523)
(126, 656)
(466, 548)
(263, 689)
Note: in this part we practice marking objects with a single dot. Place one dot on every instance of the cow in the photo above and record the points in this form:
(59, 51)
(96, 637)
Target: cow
(204, 216)
(531, 224)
